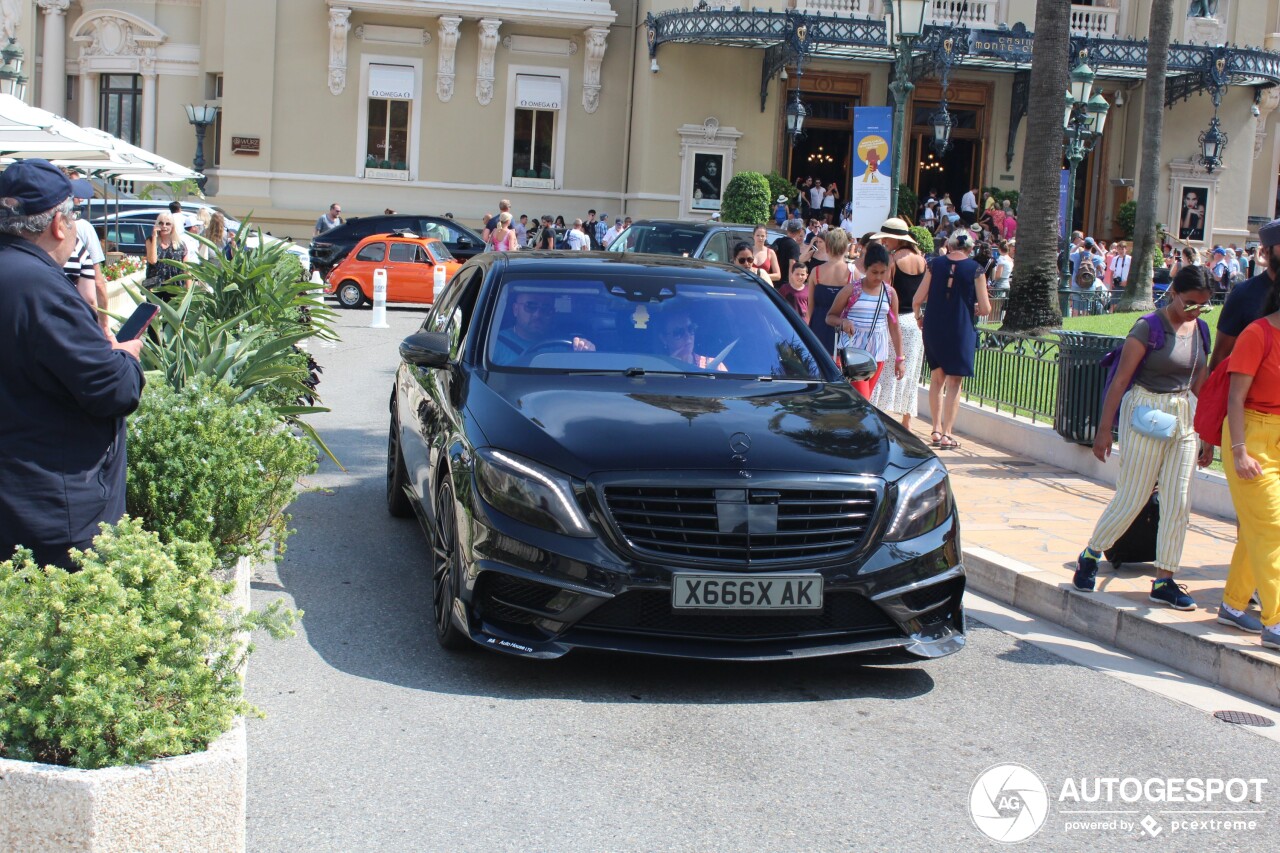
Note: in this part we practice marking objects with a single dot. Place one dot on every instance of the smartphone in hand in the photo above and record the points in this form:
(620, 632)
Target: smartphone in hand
(138, 322)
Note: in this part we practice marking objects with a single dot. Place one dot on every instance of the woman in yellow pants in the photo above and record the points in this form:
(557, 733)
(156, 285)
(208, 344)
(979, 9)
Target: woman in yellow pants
(1252, 431)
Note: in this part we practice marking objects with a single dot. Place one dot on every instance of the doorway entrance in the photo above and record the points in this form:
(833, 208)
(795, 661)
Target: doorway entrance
(960, 168)
(824, 152)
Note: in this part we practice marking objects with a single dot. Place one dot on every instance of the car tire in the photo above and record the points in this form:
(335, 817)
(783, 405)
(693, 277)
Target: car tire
(398, 502)
(446, 563)
(350, 295)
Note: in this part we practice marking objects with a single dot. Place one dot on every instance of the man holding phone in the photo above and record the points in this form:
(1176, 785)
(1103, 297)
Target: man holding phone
(65, 388)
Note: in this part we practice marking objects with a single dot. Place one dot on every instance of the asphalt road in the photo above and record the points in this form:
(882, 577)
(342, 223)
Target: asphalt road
(377, 740)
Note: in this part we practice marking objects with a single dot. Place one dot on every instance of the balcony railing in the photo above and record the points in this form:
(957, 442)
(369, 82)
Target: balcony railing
(975, 14)
(1095, 21)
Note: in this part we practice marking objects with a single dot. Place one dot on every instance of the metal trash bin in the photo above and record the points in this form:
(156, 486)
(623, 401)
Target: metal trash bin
(1080, 383)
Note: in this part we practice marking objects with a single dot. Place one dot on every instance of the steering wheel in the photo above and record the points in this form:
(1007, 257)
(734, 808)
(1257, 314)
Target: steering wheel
(536, 349)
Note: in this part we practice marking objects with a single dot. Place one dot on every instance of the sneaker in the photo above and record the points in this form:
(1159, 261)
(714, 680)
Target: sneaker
(1271, 637)
(1166, 591)
(1086, 571)
(1245, 621)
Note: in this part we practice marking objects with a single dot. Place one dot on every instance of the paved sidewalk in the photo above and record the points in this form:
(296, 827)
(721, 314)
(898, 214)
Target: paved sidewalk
(1022, 525)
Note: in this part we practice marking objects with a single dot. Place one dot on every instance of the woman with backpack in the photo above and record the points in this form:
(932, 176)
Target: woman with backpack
(1164, 360)
(1252, 432)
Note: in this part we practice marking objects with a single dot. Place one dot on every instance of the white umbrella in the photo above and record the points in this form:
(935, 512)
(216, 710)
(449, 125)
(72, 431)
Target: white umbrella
(27, 132)
(150, 167)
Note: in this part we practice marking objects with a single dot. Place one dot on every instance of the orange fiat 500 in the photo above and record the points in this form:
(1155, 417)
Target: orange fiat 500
(410, 262)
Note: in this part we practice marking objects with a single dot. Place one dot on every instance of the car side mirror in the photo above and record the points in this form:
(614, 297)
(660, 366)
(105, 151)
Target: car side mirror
(858, 366)
(426, 349)
(465, 242)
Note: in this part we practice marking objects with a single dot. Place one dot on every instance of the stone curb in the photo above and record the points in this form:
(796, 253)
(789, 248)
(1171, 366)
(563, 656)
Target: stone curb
(188, 802)
(1117, 622)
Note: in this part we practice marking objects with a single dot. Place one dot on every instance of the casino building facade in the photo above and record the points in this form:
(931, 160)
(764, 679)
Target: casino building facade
(626, 107)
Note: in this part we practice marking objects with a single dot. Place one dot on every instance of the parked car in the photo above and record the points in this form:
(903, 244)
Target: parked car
(654, 455)
(332, 246)
(710, 241)
(129, 231)
(410, 262)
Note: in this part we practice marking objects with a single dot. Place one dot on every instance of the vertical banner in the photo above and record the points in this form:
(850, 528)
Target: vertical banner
(1064, 183)
(871, 173)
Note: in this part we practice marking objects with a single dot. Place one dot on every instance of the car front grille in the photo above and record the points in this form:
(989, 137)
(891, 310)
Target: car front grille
(650, 612)
(741, 526)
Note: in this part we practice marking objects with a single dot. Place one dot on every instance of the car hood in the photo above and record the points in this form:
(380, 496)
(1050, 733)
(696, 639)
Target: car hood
(584, 425)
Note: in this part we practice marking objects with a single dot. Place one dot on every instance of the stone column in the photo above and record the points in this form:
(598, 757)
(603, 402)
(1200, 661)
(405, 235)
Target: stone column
(53, 76)
(88, 97)
(147, 139)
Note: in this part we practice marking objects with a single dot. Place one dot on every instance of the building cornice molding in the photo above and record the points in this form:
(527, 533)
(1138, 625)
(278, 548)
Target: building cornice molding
(571, 14)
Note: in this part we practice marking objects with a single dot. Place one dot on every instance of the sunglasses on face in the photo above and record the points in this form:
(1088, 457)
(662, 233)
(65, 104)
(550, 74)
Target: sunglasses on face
(535, 307)
(682, 331)
(1188, 305)
(745, 260)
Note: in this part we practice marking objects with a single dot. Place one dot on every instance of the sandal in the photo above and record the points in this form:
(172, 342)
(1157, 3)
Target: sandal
(934, 438)
(948, 443)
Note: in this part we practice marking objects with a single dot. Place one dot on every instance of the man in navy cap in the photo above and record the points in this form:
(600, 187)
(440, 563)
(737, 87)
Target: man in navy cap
(1248, 300)
(65, 388)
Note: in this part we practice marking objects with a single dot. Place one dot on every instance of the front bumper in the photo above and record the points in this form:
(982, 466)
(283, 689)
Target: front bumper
(529, 592)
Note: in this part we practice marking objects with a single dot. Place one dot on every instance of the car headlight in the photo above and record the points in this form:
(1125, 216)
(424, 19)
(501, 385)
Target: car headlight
(924, 502)
(529, 492)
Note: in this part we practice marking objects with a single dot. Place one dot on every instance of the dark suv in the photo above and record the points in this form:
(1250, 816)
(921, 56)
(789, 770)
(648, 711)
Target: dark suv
(710, 241)
(332, 246)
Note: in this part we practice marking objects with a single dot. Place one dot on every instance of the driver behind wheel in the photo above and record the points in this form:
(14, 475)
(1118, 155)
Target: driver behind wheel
(533, 313)
(676, 331)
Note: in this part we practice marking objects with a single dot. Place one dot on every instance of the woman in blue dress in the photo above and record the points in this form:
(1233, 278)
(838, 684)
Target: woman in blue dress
(948, 304)
(829, 273)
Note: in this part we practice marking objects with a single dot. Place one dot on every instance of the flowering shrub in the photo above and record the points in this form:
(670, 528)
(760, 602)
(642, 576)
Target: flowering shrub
(126, 266)
(204, 468)
(134, 657)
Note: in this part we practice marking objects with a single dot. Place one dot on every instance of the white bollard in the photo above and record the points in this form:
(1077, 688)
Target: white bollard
(379, 318)
(437, 286)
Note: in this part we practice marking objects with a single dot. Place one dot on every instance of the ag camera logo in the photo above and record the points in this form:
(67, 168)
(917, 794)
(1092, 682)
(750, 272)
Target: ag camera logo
(1008, 803)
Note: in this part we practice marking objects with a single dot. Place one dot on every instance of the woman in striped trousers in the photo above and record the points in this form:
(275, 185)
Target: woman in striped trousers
(1162, 379)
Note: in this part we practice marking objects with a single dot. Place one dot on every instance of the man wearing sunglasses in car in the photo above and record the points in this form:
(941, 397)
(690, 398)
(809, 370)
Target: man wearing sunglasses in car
(533, 314)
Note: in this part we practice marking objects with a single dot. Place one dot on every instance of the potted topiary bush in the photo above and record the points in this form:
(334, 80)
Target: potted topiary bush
(746, 199)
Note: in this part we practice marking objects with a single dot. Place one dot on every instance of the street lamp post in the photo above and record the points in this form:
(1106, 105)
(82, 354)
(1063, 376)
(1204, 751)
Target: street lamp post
(905, 22)
(200, 118)
(1082, 126)
(12, 80)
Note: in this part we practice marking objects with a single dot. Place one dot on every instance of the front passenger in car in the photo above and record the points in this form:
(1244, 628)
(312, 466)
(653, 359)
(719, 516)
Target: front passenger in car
(676, 332)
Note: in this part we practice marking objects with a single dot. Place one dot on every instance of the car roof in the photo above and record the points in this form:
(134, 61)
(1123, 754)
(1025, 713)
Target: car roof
(699, 226)
(406, 237)
(610, 263)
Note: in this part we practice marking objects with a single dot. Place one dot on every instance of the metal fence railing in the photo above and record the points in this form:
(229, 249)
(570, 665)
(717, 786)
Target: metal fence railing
(1015, 373)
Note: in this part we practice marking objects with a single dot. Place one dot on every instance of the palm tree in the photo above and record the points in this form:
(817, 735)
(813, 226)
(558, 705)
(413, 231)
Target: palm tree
(1137, 292)
(1033, 296)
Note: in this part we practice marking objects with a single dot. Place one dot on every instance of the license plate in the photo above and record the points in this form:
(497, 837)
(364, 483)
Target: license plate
(746, 592)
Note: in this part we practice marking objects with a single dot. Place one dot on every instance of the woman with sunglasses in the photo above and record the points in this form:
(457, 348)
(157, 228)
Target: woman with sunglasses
(1156, 432)
(163, 247)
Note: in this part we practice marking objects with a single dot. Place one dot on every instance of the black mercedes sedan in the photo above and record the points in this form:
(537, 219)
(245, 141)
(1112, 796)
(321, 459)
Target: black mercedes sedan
(653, 454)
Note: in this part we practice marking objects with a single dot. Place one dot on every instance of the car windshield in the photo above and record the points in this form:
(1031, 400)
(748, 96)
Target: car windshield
(645, 324)
(440, 252)
(662, 238)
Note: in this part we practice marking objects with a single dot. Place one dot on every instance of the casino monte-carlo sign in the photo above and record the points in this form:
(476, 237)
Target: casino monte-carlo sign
(1012, 45)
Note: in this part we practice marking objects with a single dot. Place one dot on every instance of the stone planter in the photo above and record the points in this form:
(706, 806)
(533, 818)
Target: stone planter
(188, 802)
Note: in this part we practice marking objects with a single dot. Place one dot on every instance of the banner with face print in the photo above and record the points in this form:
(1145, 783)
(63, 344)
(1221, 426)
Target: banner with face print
(872, 170)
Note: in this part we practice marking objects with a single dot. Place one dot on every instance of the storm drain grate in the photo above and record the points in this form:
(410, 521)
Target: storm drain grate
(1241, 718)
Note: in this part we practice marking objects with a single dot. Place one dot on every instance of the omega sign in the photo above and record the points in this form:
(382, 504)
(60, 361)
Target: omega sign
(394, 94)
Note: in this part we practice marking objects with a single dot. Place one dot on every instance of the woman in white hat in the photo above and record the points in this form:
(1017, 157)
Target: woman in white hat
(906, 271)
